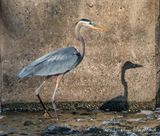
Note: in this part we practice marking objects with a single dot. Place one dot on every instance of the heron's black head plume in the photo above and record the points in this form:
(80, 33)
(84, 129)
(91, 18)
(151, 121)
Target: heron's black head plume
(85, 20)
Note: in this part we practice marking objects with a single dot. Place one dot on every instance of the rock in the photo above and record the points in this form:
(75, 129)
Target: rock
(12, 131)
(158, 128)
(129, 133)
(157, 110)
(24, 133)
(147, 130)
(107, 132)
(3, 133)
(158, 117)
(151, 116)
(28, 123)
(111, 122)
(94, 130)
(136, 120)
(74, 112)
(83, 118)
(85, 114)
(146, 112)
(1, 117)
(63, 130)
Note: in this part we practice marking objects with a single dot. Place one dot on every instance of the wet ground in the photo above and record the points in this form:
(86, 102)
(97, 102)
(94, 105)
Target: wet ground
(81, 123)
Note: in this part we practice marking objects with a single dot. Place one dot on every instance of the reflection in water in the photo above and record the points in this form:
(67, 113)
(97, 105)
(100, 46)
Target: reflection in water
(120, 103)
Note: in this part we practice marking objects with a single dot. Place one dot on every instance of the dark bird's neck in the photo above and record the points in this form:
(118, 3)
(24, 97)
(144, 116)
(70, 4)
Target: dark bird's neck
(80, 38)
(124, 82)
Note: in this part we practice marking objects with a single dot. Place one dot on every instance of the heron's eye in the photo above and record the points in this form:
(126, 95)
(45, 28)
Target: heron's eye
(92, 23)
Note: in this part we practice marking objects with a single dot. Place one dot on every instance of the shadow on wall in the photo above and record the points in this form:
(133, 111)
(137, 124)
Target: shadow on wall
(120, 103)
(157, 39)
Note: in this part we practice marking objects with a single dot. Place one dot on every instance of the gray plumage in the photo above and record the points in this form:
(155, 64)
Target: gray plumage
(53, 63)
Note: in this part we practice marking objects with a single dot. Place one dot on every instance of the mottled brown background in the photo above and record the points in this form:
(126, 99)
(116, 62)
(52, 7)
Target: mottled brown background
(32, 28)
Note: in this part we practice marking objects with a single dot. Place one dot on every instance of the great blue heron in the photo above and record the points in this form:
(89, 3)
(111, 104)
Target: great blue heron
(59, 62)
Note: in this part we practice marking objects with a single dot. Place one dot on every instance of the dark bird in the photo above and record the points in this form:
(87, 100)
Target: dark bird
(120, 103)
(59, 62)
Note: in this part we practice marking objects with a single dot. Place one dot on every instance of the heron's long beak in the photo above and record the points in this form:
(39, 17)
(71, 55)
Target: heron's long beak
(99, 28)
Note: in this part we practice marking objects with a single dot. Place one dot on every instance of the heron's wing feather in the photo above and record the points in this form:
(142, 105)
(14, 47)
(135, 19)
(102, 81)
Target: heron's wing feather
(53, 63)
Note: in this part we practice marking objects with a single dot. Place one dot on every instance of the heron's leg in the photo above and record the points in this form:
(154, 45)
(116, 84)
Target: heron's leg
(37, 94)
(38, 89)
(59, 78)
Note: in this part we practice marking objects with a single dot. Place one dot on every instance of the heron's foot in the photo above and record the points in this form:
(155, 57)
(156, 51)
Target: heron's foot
(46, 115)
(55, 109)
(57, 117)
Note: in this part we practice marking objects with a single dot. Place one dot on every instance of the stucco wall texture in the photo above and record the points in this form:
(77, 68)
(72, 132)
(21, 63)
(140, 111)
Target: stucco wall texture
(32, 28)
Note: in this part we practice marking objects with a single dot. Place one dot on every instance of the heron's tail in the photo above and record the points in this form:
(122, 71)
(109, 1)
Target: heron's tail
(23, 73)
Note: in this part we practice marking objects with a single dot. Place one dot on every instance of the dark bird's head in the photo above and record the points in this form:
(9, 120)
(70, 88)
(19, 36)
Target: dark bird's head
(129, 65)
(90, 24)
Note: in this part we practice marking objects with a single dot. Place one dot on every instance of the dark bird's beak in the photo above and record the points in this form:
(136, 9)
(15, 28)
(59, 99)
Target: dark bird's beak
(137, 65)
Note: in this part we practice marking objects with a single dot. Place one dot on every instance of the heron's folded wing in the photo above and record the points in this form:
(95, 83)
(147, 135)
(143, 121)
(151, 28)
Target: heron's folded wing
(56, 62)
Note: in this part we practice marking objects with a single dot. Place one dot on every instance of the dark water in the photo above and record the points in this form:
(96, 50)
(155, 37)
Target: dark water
(81, 123)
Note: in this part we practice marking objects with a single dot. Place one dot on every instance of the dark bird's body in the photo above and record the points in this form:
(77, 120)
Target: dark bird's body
(59, 62)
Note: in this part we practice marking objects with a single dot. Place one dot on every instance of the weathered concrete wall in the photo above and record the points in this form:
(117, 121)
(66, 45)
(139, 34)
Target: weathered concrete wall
(32, 28)
(157, 54)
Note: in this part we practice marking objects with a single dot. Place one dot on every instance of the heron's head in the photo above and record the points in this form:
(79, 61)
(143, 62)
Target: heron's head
(90, 24)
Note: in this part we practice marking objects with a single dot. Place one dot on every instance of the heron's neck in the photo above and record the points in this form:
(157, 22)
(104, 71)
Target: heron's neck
(80, 38)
